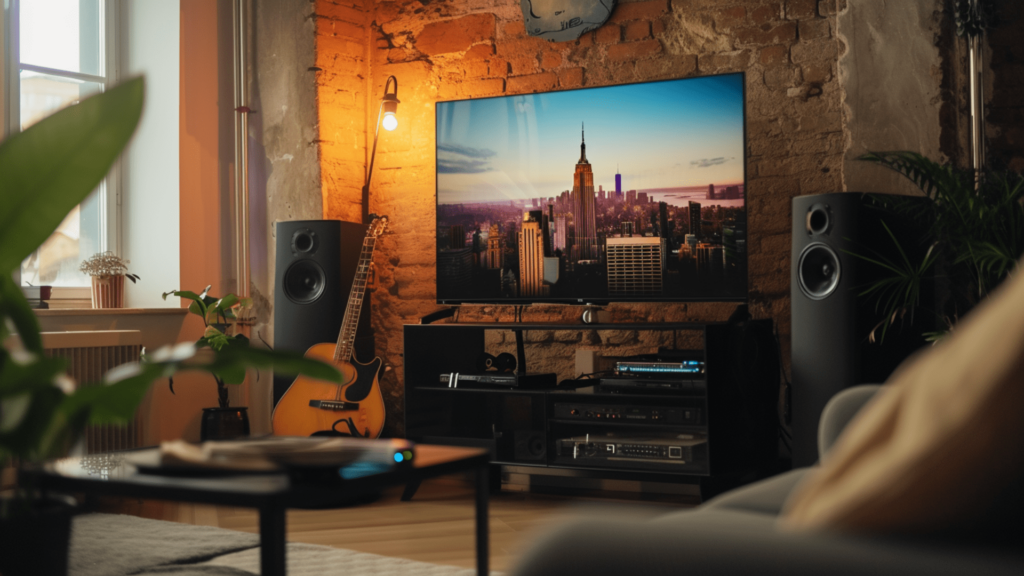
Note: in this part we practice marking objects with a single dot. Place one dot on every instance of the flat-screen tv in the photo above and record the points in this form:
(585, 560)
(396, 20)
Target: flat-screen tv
(627, 193)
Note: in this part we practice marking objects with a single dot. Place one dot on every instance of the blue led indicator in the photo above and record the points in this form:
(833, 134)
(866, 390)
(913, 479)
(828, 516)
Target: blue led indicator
(399, 457)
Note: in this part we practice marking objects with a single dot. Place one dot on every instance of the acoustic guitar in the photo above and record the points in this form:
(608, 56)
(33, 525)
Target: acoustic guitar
(355, 407)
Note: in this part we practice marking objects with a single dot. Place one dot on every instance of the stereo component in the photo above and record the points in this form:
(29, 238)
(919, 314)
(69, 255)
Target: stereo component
(628, 452)
(684, 416)
(455, 380)
(642, 384)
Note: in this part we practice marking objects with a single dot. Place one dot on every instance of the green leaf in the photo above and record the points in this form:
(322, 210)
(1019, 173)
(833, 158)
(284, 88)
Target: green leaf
(198, 306)
(52, 166)
(13, 305)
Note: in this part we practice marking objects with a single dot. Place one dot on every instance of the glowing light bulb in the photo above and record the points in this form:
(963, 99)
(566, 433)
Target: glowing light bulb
(390, 121)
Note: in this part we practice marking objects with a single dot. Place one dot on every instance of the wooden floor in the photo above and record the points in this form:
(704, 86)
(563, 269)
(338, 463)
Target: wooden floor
(436, 526)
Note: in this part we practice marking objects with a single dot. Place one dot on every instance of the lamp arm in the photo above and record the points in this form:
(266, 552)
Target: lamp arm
(369, 173)
(373, 151)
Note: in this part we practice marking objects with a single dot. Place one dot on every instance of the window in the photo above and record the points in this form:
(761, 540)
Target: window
(59, 52)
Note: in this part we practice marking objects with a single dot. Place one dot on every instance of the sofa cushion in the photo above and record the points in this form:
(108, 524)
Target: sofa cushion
(764, 497)
(941, 445)
(707, 541)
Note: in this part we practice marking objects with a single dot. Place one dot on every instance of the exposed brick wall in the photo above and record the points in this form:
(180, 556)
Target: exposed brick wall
(471, 48)
(342, 48)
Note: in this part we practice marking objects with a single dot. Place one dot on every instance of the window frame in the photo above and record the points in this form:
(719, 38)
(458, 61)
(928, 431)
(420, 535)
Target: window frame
(112, 58)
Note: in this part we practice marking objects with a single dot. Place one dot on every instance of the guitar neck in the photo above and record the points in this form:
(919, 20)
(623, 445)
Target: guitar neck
(347, 334)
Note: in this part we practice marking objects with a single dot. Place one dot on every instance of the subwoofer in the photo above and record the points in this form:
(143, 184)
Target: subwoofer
(831, 320)
(315, 265)
(531, 446)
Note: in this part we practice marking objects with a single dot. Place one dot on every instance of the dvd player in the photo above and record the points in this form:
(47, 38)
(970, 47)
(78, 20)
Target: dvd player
(456, 379)
(613, 383)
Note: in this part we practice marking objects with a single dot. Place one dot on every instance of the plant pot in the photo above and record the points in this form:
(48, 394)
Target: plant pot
(224, 423)
(108, 291)
(35, 541)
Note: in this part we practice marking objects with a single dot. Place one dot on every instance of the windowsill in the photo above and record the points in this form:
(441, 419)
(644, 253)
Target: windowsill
(111, 311)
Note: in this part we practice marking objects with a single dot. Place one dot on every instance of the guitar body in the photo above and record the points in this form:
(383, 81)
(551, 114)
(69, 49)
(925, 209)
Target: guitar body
(310, 405)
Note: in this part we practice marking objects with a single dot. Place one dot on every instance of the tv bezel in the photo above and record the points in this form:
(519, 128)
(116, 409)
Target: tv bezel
(573, 301)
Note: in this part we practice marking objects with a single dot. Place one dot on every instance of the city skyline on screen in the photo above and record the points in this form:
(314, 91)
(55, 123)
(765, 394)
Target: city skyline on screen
(660, 137)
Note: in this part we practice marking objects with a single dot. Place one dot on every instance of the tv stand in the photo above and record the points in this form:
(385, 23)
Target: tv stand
(439, 315)
(731, 416)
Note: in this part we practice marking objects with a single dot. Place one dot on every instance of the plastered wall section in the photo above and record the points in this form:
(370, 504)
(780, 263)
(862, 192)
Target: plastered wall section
(891, 76)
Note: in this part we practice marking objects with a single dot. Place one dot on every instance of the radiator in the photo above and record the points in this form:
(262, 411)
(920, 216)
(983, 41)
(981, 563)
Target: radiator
(89, 356)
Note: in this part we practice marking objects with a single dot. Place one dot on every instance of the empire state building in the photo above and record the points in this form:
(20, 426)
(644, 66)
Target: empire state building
(583, 209)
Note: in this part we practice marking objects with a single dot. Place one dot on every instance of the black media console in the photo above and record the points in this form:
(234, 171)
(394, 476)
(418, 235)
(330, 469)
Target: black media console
(718, 429)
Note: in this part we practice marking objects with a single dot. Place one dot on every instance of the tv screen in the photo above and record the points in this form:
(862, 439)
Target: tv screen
(625, 193)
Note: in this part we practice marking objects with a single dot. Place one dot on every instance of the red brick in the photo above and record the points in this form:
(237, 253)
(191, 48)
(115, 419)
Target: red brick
(639, 30)
(342, 28)
(831, 7)
(523, 66)
(667, 67)
(498, 67)
(766, 13)
(515, 29)
(570, 78)
(767, 34)
(551, 60)
(782, 77)
(476, 69)
(455, 35)
(813, 29)
(519, 48)
(533, 83)
(335, 11)
(658, 26)
(586, 40)
(801, 9)
(479, 52)
(649, 10)
(608, 34)
(774, 55)
(633, 50)
(729, 17)
(819, 72)
(484, 87)
(814, 51)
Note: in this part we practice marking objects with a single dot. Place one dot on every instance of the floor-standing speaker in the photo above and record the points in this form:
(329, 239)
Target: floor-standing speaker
(831, 320)
(315, 265)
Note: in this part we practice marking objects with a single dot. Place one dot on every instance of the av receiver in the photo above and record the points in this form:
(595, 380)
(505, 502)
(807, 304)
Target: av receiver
(510, 379)
(677, 416)
(633, 451)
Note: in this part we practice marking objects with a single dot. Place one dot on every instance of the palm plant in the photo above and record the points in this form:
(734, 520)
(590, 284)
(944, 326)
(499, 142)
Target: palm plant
(973, 237)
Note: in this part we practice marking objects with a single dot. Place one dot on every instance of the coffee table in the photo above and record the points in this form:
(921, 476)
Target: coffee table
(271, 494)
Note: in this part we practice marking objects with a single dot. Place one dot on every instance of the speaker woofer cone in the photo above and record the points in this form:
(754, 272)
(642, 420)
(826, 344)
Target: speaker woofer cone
(304, 282)
(818, 271)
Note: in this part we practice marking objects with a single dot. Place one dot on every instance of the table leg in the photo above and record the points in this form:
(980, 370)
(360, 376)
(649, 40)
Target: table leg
(410, 489)
(482, 527)
(272, 540)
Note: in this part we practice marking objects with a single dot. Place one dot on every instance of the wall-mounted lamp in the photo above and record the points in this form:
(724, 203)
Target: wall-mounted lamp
(385, 117)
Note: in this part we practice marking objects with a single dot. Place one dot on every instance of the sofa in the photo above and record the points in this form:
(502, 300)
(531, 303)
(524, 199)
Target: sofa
(737, 533)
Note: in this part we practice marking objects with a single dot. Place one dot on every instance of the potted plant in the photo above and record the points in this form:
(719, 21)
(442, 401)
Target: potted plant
(108, 272)
(45, 171)
(221, 317)
(974, 225)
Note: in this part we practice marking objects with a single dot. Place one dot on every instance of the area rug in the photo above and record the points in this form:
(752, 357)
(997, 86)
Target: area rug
(117, 545)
